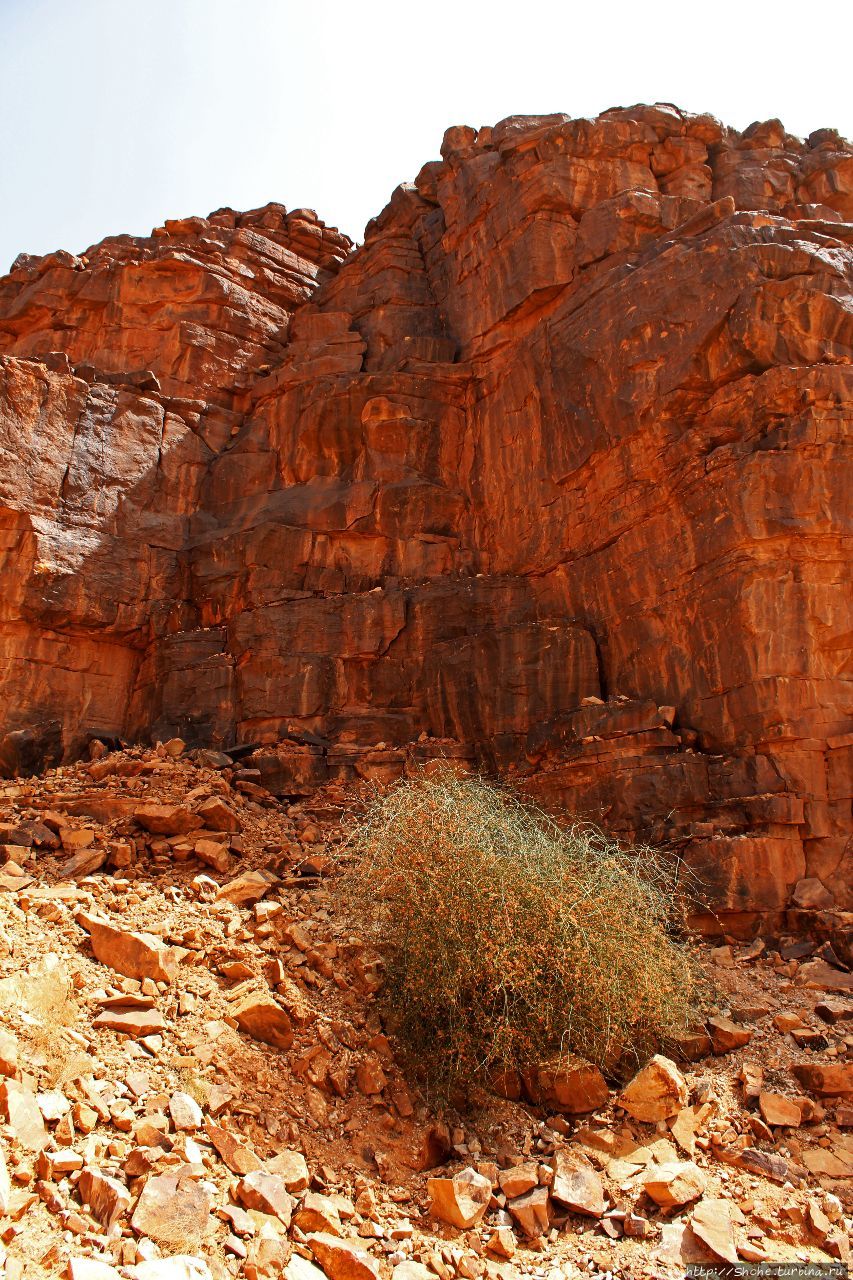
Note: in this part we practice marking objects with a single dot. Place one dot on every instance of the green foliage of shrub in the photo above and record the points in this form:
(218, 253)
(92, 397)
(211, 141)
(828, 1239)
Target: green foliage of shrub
(508, 938)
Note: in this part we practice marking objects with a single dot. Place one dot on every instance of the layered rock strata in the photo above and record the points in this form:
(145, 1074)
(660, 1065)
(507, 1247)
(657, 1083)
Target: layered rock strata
(549, 474)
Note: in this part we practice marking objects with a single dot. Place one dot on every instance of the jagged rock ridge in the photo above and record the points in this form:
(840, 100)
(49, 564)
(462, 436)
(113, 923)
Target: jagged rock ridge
(550, 469)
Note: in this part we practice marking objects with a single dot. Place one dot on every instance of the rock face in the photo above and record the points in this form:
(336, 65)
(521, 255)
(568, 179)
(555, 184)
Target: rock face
(550, 469)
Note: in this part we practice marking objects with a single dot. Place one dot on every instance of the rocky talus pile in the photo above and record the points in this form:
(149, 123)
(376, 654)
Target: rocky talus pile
(195, 1081)
(554, 468)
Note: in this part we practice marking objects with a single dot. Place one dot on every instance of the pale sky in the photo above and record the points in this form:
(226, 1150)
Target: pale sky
(118, 114)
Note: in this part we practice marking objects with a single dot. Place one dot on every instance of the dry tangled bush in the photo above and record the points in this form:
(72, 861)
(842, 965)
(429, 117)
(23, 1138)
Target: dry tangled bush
(508, 938)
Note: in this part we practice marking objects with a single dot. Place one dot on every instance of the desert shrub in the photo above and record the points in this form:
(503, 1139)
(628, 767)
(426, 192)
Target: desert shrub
(508, 938)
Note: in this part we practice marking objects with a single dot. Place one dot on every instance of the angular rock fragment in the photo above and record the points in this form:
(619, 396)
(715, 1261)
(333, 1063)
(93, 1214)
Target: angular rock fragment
(247, 888)
(267, 1193)
(108, 1198)
(261, 1018)
(172, 1209)
(826, 1079)
(674, 1184)
(711, 1221)
(343, 1259)
(727, 1035)
(167, 820)
(218, 816)
(656, 1092)
(777, 1109)
(567, 1084)
(460, 1201)
(137, 1023)
(236, 1155)
(530, 1212)
(136, 955)
(577, 1185)
(291, 1168)
(21, 1109)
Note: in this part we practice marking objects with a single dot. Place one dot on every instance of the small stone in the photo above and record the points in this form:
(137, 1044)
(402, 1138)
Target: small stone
(656, 1092)
(460, 1201)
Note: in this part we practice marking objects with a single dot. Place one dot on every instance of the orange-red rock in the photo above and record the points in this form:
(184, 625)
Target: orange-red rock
(551, 467)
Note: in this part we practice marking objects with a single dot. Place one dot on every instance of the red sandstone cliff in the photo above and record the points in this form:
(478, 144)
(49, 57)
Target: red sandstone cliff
(551, 468)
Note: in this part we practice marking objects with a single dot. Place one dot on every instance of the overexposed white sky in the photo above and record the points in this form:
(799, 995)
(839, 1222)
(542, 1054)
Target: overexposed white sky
(117, 114)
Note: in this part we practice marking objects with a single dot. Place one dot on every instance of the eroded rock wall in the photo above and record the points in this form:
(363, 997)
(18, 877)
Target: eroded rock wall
(550, 474)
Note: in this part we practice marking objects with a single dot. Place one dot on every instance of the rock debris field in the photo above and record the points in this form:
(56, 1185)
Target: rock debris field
(195, 1080)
